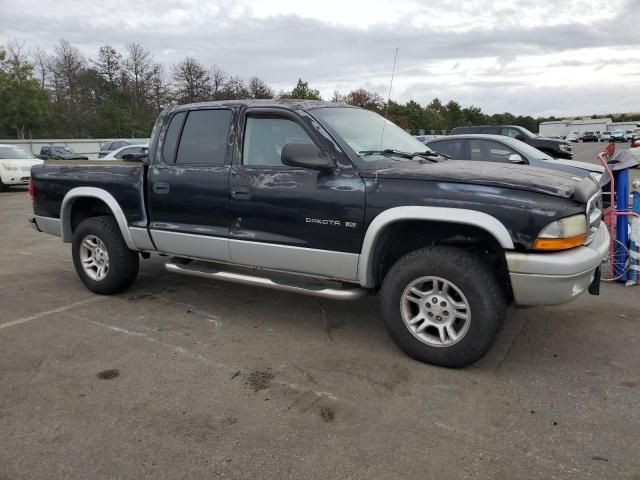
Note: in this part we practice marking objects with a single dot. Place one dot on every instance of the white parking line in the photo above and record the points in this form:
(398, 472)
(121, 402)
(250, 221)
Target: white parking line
(49, 312)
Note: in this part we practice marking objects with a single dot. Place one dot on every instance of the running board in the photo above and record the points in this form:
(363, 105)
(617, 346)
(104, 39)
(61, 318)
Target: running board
(305, 285)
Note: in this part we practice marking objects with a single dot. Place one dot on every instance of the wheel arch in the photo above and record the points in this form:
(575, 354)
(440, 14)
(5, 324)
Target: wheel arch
(76, 196)
(375, 235)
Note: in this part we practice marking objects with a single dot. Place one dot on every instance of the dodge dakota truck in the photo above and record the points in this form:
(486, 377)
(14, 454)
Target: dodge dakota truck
(337, 202)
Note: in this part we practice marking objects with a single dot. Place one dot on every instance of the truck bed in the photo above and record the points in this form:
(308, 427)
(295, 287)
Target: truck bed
(123, 180)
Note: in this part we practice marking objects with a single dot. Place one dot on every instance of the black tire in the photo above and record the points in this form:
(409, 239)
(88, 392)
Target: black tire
(3, 187)
(472, 277)
(123, 263)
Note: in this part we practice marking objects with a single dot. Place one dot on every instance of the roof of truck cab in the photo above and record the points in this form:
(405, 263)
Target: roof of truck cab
(292, 103)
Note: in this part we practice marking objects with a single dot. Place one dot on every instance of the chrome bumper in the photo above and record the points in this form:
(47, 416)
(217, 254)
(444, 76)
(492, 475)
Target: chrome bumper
(555, 278)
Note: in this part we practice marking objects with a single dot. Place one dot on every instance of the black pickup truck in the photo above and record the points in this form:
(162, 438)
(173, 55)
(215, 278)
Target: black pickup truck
(332, 201)
(59, 152)
(554, 147)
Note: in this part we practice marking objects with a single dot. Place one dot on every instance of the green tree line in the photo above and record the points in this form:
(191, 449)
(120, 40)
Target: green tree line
(117, 94)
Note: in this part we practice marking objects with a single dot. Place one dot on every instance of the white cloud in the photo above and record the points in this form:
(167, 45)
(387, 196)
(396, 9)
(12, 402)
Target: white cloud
(528, 57)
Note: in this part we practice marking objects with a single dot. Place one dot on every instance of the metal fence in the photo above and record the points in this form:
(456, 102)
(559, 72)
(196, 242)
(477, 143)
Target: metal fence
(85, 146)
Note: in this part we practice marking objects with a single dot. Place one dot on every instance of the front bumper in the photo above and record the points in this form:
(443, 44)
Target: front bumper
(555, 278)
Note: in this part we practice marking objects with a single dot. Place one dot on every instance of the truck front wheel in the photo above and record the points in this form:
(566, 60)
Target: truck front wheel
(442, 305)
(101, 257)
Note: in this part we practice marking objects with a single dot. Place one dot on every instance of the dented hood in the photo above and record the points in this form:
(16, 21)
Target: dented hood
(521, 177)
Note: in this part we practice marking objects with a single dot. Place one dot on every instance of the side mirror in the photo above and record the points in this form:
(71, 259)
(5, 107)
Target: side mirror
(135, 157)
(515, 158)
(306, 155)
(521, 137)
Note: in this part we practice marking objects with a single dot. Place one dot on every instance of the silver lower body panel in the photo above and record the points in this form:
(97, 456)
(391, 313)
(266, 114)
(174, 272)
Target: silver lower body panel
(556, 278)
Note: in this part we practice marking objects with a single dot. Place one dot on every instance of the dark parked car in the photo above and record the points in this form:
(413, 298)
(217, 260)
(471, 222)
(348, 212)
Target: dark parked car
(589, 137)
(109, 147)
(498, 148)
(332, 201)
(551, 146)
(59, 152)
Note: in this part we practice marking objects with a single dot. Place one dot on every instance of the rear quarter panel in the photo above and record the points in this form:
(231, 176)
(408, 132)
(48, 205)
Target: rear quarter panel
(123, 180)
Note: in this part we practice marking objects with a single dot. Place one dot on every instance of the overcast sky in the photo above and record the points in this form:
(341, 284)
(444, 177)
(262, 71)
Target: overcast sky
(539, 57)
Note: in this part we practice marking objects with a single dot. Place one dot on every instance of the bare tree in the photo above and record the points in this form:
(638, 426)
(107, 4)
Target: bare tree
(138, 70)
(235, 89)
(258, 89)
(42, 64)
(108, 64)
(218, 80)
(192, 81)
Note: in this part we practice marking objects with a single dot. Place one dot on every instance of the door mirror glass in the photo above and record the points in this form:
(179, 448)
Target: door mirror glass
(306, 155)
(515, 158)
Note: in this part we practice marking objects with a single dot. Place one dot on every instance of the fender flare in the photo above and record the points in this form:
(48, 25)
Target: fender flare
(99, 194)
(439, 214)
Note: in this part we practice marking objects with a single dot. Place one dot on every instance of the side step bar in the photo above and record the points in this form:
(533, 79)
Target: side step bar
(305, 286)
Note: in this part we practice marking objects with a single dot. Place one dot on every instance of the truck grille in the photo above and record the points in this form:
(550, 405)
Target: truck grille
(594, 215)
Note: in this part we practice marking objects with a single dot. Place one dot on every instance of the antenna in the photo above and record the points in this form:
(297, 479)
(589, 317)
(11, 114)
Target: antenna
(386, 108)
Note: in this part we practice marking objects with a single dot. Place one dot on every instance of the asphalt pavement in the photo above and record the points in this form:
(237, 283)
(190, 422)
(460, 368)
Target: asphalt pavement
(182, 377)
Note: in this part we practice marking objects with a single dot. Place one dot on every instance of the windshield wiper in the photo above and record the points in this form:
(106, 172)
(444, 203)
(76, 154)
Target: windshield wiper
(427, 154)
(387, 151)
(431, 155)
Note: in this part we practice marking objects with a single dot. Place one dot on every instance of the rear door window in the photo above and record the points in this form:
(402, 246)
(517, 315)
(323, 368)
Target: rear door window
(454, 148)
(204, 138)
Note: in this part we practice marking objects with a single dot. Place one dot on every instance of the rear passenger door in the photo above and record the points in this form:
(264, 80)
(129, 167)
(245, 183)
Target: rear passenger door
(188, 185)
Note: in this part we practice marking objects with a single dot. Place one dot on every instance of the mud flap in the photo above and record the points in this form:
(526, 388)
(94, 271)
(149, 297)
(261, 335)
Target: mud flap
(594, 288)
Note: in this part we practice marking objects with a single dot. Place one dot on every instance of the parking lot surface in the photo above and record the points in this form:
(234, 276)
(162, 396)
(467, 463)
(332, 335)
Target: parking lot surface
(182, 377)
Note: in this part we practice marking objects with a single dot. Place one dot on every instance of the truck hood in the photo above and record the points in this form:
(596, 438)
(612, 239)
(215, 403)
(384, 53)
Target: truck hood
(520, 177)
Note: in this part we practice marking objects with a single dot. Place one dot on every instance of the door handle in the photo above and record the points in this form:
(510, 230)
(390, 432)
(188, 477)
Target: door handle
(241, 193)
(161, 188)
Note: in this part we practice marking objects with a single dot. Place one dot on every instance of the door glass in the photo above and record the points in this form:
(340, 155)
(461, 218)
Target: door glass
(204, 137)
(264, 139)
(171, 138)
(511, 132)
(453, 148)
(488, 150)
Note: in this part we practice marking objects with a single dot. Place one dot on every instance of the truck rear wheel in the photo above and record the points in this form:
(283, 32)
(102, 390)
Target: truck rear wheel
(442, 305)
(101, 257)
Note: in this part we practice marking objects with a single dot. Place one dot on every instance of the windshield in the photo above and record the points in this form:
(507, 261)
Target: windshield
(528, 151)
(14, 153)
(363, 132)
(528, 133)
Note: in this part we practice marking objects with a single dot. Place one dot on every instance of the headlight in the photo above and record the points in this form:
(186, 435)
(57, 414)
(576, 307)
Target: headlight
(564, 146)
(563, 234)
(9, 167)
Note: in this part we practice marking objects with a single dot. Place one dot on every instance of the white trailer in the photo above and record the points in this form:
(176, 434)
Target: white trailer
(590, 125)
(554, 129)
(625, 125)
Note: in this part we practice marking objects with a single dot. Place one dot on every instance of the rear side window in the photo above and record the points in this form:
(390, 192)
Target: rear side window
(170, 144)
(453, 148)
(490, 130)
(204, 137)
